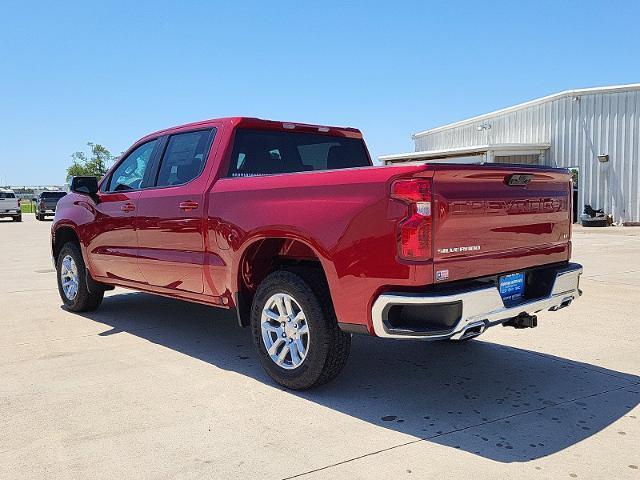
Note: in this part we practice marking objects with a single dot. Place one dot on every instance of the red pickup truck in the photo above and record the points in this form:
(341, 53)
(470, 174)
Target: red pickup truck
(292, 227)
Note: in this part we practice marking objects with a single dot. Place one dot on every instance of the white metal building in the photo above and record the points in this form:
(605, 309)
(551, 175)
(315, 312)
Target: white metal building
(594, 130)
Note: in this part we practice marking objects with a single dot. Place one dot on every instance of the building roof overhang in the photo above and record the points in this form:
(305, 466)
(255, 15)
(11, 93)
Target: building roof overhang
(567, 93)
(500, 148)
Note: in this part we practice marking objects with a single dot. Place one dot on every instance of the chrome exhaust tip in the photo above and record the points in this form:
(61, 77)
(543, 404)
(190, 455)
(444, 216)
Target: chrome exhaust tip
(471, 330)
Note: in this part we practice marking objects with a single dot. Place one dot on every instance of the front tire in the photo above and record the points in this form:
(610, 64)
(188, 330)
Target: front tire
(72, 281)
(295, 331)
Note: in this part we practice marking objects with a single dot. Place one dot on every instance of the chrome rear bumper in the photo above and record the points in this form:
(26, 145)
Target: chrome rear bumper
(481, 308)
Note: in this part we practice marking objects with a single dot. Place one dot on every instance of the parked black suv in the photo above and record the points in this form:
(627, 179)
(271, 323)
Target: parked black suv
(46, 203)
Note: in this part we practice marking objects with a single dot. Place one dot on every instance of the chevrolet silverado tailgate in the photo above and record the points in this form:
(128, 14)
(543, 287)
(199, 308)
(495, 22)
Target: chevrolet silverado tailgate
(494, 218)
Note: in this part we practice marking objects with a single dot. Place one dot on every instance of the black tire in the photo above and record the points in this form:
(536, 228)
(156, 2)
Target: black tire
(595, 222)
(328, 347)
(17, 219)
(84, 300)
(38, 217)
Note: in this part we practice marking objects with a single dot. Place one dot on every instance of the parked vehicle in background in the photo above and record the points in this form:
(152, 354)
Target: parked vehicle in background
(293, 228)
(10, 205)
(45, 203)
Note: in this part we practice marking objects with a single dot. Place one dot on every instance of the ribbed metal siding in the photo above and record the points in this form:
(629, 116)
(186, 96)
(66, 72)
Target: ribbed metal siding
(578, 131)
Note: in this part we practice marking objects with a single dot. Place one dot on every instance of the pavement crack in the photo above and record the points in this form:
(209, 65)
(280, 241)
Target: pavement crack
(130, 330)
(462, 429)
(30, 290)
(594, 275)
(613, 282)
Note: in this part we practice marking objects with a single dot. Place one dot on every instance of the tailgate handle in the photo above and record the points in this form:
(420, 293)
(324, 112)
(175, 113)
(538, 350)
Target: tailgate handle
(518, 179)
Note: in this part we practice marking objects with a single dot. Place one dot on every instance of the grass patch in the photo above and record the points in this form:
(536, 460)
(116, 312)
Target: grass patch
(28, 207)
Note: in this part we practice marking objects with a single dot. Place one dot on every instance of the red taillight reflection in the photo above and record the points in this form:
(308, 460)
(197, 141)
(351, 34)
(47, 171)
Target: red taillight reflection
(414, 190)
(414, 239)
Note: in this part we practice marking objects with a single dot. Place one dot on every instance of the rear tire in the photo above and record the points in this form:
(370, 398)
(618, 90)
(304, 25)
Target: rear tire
(595, 222)
(72, 281)
(324, 350)
(17, 219)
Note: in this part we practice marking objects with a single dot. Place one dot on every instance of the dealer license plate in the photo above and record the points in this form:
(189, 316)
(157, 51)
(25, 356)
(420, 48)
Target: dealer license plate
(511, 286)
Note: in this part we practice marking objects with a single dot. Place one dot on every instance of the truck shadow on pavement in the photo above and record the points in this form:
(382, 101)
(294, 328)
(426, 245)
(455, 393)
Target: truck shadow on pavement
(498, 402)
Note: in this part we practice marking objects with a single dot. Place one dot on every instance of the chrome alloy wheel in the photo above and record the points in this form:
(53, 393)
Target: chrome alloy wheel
(69, 277)
(285, 331)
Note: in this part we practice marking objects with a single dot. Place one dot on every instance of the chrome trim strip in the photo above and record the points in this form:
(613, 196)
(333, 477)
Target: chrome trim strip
(481, 307)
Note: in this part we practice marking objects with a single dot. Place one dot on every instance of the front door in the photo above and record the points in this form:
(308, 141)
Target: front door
(170, 221)
(113, 243)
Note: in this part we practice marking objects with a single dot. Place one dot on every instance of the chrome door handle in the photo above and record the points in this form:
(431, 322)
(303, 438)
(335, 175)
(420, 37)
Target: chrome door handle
(188, 205)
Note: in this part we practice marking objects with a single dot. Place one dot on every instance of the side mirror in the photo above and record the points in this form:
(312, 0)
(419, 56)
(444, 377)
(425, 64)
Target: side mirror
(84, 185)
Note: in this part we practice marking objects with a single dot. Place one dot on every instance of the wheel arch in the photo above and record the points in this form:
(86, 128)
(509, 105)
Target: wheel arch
(265, 255)
(62, 235)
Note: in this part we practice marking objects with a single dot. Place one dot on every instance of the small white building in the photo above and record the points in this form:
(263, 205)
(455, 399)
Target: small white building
(595, 131)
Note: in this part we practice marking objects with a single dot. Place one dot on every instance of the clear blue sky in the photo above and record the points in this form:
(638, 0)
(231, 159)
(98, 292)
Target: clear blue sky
(110, 72)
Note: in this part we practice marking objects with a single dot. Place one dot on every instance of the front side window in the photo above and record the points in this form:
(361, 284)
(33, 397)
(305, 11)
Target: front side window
(129, 174)
(263, 152)
(184, 157)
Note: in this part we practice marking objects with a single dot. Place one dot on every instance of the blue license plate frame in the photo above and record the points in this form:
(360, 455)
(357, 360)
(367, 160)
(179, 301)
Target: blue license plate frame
(511, 287)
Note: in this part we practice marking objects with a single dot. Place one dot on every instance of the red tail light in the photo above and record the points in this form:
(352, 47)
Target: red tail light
(19, 202)
(414, 238)
(41, 203)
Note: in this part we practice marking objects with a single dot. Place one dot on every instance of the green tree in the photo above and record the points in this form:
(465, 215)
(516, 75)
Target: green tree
(574, 177)
(96, 163)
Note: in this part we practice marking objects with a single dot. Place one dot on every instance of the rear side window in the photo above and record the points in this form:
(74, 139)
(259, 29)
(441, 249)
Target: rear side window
(184, 158)
(4, 195)
(261, 152)
(129, 174)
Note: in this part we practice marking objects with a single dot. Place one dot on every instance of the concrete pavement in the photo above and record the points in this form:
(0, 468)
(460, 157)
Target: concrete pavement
(148, 387)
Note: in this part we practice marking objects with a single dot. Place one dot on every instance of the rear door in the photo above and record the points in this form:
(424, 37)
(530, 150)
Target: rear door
(492, 219)
(170, 220)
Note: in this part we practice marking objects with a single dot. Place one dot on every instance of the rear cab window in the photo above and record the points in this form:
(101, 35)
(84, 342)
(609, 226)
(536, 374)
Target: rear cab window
(264, 152)
(5, 195)
(55, 195)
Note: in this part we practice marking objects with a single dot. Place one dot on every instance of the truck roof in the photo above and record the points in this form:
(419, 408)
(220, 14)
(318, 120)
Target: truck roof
(261, 124)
